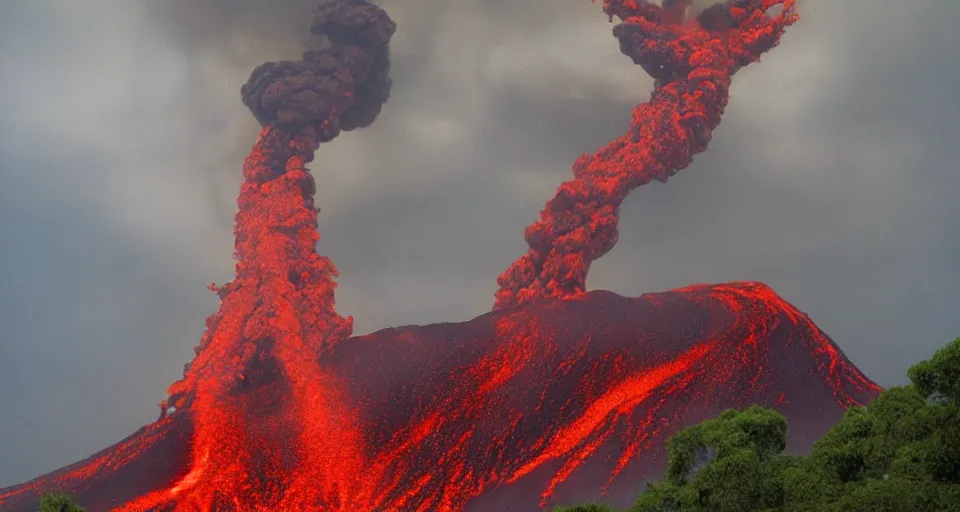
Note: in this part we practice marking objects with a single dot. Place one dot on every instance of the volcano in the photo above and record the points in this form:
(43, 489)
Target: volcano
(556, 401)
(557, 396)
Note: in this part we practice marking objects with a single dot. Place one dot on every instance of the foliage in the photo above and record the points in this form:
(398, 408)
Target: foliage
(59, 503)
(591, 507)
(940, 375)
(899, 453)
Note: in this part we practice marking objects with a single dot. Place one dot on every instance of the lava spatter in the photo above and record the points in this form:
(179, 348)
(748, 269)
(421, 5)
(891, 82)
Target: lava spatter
(692, 63)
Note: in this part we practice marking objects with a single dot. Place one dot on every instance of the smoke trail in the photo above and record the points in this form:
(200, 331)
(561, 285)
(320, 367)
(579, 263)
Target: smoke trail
(692, 63)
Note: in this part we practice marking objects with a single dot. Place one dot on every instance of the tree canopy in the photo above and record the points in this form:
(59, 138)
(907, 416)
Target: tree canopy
(59, 503)
(899, 453)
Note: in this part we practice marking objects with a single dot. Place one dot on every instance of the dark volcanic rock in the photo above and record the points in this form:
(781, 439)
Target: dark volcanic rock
(555, 399)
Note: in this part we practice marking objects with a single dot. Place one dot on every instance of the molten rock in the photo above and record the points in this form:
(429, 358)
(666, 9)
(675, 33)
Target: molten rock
(557, 396)
(554, 401)
(693, 64)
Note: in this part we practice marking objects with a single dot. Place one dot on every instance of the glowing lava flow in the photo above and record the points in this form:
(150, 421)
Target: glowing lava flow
(692, 64)
(258, 400)
(271, 427)
(549, 402)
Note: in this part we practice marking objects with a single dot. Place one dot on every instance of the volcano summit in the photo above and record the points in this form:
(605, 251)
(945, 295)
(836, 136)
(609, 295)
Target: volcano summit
(557, 396)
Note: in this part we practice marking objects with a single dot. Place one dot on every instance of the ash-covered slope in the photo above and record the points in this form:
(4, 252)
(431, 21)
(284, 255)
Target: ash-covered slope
(552, 402)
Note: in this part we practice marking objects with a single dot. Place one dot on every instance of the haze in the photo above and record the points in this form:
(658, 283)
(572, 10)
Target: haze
(832, 178)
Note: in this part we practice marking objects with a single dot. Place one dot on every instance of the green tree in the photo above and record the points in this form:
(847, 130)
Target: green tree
(723, 464)
(590, 507)
(899, 453)
(902, 451)
(59, 502)
(939, 375)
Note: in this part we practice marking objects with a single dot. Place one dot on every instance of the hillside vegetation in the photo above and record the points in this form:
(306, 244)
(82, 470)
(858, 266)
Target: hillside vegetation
(899, 453)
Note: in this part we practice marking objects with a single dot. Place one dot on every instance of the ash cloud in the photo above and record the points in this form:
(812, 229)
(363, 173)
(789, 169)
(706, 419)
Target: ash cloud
(830, 178)
(315, 90)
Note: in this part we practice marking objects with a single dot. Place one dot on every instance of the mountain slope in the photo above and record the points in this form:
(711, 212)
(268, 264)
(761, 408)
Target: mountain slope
(553, 401)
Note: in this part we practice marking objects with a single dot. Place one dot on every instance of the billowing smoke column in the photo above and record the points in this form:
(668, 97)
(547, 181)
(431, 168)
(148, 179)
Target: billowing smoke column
(278, 314)
(342, 87)
(553, 402)
(692, 63)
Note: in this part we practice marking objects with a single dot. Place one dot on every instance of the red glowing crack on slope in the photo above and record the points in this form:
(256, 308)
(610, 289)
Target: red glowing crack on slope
(283, 414)
(546, 387)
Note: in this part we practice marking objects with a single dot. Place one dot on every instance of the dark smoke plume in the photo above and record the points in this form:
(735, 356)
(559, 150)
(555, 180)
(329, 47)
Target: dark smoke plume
(339, 88)
(279, 314)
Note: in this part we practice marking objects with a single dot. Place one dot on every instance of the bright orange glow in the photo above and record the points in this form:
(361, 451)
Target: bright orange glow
(282, 410)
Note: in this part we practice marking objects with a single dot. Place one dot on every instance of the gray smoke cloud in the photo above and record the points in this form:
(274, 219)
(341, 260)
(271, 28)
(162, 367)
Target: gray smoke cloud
(831, 178)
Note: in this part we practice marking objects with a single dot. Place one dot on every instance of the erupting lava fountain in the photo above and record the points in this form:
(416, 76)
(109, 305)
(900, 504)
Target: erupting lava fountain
(557, 396)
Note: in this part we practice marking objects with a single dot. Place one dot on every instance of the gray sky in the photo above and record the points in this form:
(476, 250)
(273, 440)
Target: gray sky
(832, 178)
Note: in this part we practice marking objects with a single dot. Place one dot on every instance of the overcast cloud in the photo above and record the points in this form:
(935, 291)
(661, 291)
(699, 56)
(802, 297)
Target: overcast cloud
(833, 178)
